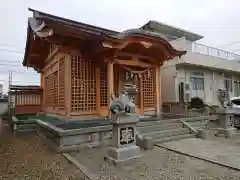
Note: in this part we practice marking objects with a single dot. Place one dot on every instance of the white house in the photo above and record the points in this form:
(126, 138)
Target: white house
(203, 70)
(1, 90)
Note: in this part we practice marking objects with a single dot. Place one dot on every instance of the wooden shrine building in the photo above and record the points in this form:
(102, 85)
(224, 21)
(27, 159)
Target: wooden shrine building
(82, 65)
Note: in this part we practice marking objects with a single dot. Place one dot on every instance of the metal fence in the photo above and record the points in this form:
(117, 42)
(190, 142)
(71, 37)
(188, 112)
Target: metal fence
(203, 49)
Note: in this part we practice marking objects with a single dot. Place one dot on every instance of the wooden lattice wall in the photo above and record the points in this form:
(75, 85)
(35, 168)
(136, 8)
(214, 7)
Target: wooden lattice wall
(104, 96)
(54, 81)
(103, 86)
(51, 89)
(148, 88)
(76, 93)
(83, 98)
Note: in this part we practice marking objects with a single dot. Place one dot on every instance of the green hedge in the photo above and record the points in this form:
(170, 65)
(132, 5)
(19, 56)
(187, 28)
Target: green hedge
(32, 117)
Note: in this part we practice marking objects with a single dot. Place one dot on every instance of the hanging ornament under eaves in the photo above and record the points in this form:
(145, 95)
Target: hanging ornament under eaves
(139, 75)
(132, 75)
(126, 75)
(148, 74)
(136, 77)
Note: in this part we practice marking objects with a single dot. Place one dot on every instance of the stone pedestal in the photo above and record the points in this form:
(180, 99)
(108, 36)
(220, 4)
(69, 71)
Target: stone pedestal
(226, 122)
(203, 134)
(123, 147)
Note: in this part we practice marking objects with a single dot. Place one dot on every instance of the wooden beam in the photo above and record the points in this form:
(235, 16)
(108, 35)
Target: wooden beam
(63, 41)
(110, 76)
(58, 80)
(133, 55)
(141, 95)
(42, 100)
(123, 44)
(133, 62)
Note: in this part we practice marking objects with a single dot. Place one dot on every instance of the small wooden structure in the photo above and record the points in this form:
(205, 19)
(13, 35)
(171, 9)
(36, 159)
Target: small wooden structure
(82, 65)
(25, 99)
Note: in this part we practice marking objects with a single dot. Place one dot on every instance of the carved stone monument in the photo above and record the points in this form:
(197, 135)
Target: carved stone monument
(124, 120)
(225, 115)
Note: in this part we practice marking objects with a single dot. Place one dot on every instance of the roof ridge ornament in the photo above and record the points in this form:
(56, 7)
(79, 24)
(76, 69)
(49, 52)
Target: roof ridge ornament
(39, 28)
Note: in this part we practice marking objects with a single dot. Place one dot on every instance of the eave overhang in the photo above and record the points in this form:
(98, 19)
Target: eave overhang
(43, 25)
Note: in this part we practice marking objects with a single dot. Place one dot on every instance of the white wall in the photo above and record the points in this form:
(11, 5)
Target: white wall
(3, 107)
(1, 89)
(213, 80)
(168, 90)
(212, 67)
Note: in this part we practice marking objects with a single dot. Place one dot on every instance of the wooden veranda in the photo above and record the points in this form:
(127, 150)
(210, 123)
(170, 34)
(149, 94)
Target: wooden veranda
(82, 65)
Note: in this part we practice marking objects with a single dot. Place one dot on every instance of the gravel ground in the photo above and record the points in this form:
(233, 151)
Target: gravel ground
(155, 164)
(26, 157)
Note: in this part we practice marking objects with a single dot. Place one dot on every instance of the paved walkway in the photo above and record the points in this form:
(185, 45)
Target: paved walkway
(158, 163)
(27, 158)
(215, 151)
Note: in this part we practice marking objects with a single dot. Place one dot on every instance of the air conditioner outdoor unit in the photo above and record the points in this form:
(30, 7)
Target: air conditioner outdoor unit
(187, 87)
(184, 92)
(187, 97)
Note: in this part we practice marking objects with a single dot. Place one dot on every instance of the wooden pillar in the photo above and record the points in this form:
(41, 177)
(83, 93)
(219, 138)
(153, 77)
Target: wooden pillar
(41, 79)
(97, 77)
(110, 75)
(58, 80)
(42, 96)
(158, 92)
(68, 85)
(141, 95)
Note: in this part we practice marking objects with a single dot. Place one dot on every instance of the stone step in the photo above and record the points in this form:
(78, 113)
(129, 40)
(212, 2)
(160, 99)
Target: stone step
(160, 127)
(174, 138)
(196, 123)
(154, 123)
(193, 119)
(167, 133)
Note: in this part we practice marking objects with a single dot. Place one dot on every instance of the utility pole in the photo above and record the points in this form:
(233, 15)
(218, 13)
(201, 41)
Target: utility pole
(9, 80)
(9, 95)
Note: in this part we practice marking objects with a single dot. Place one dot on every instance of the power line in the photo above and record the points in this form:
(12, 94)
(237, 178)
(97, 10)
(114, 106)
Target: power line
(25, 81)
(4, 60)
(12, 51)
(5, 44)
(224, 45)
(9, 64)
(17, 72)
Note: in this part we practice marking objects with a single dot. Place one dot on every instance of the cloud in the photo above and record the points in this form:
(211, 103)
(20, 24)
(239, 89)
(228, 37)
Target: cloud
(216, 20)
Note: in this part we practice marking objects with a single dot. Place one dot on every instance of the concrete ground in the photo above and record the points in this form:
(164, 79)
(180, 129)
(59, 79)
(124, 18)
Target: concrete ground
(158, 163)
(26, 157)
(216, 151)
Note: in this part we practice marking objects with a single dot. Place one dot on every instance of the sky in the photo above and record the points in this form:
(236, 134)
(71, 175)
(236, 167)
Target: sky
(216, 20)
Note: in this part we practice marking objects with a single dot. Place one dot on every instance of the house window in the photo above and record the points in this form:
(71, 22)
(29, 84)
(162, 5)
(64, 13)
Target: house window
(228, 82)
(237, 88)
(197, 80)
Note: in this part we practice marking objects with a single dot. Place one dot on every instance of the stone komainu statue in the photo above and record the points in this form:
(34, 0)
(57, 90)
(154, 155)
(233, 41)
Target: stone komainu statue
(223, 97)
(124, 103)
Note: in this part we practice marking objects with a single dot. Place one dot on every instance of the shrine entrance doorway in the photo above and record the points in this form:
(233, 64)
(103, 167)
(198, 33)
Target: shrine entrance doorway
(144, 78)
